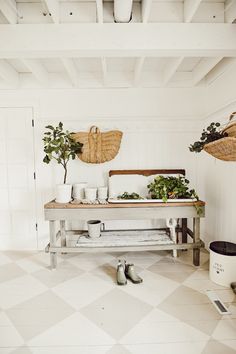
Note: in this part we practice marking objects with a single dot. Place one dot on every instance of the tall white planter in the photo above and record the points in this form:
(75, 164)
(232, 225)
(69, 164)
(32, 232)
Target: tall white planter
(63, 193)
(123, 10)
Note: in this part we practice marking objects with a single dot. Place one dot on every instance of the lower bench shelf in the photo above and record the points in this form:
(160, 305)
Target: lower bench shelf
(126, 238)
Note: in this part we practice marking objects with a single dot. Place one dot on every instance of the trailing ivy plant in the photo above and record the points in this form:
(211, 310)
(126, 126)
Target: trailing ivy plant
(212, 133)
(171, 188)
(59, 145)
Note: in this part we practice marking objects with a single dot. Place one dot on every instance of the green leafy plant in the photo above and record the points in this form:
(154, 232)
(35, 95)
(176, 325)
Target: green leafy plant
(59, 145)
(126, 195)
(171, 188)
(212, 133)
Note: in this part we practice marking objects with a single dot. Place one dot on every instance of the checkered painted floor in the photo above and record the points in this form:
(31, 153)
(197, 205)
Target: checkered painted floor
(79, 308)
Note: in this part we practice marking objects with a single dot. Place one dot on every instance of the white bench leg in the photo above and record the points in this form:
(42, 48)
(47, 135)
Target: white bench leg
(172, 223)
(53, 241)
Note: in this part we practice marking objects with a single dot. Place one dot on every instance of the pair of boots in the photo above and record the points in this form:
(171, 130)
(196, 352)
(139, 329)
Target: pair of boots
(125, 272)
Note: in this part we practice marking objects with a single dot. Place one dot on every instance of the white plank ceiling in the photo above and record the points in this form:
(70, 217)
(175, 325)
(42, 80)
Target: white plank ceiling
(167, 43)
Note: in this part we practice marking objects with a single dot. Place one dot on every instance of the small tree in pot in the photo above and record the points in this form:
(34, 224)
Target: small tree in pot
(60, 146)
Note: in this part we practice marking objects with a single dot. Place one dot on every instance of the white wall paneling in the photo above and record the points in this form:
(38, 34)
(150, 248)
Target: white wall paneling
(218, 177)
(158, 126)
(149, 118)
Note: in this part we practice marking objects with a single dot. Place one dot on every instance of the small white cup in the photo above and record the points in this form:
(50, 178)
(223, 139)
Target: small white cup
(94, 228)
(78, 190)
(91, 194)
(102, 192)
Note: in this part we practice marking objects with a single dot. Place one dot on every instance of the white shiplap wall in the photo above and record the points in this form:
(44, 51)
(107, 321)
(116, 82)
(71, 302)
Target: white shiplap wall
(158, 126)
(219, 177)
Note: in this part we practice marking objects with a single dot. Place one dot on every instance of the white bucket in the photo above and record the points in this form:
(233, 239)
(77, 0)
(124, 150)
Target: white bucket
(63, 193)
(78, 190)
(223, 262)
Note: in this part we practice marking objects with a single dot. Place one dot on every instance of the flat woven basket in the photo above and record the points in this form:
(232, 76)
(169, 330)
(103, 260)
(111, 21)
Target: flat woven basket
(230, 128)
(222, 149)
(98, 147)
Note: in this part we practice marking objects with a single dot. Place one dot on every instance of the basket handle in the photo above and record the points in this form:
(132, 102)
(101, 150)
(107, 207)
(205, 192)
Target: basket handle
(232, 116)
(94, 129)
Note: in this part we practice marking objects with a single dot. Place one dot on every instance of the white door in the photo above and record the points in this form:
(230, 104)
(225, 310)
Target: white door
(17, 184)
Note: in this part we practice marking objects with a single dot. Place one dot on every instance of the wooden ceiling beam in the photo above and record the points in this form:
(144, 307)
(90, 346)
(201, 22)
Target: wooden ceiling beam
(146, 10)
(203, 68)
(104, 71)
(99, 5)
(71, 70)
(138, 70)
(230, 11)
(171, 68)
(123, 40)
(220, 69)
(8, 73)
(53, 9)
(190, 9)
(37, 69)
(9, 10)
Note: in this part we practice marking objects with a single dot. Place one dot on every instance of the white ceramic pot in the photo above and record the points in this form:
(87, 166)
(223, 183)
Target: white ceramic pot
(123, 10)
(94, 228)
(91, 194)
(79, 190)
(63, 193)
(102, 192)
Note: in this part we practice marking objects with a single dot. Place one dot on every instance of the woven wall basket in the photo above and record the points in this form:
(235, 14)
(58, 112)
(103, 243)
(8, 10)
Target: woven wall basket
(222, 149)
(230, 128)
(98, 147)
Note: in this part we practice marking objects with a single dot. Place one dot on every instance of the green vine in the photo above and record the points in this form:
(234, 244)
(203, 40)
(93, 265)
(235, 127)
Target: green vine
(212, 133)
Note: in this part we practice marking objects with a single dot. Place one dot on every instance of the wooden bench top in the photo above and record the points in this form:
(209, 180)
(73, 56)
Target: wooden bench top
(55, 205)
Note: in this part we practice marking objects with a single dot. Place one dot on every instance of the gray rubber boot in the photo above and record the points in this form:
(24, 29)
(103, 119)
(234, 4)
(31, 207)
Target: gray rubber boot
(120, 274)
(233, 286)
(132, 275)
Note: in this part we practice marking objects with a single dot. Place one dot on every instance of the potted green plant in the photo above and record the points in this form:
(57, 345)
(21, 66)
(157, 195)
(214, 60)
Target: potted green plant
(60, 146)
(171, 188)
